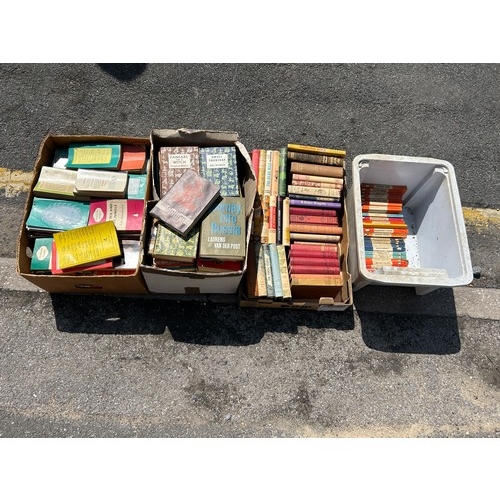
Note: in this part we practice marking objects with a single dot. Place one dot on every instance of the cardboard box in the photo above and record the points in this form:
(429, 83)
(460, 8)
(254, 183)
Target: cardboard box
(132, 283)
(185, 282)
(340, 298)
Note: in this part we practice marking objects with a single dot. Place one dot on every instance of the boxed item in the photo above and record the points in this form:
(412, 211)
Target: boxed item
(175, 150)
(433, 250)
(57, 192)
(300, 240)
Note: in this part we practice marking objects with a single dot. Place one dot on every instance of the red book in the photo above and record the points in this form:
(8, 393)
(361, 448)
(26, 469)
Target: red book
(316, 246)
(314, 219)
(304, 269)
(93, 266)
(296, 227)
(386, 262)
(318, 212)
(133, 157)
(255, 162)
(314, 261)
(127, 214)
(314, 254)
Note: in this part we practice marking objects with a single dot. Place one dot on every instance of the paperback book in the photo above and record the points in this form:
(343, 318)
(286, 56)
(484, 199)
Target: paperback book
(173, 161)
(99, 156)
(219, 164)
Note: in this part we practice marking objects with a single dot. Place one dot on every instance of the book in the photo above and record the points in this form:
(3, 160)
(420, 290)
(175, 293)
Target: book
(260, 270)
(101, 183)
(312, 246)
(137, 186)
(286, 221)
(268, 173)
(170, 246)
(313, 254)
(251, 285)
(273, 222)
(130, 259)
(275, 270)
(282, 172)
(51, 215)
(335, 205)
(268, 273)
(317, 212)
(310, 269)
(94, 155)
(42, 255)
(314, 219)
(299, 279)
(316, 159)
(315, 150)
(316, 184)
(56, 183)
(285, 278)
(307, 197)
(317, 178)
(218, 164)
(88, 244)
(185, 203)
(218, 266)
(316, 169)
(126, 214)
(279, 220)
(297, 227)
(264, 233)
(275, 162)
(91, 267)
(315, 260)
(324, 238)
(133, 158)
(173, 161)
(315, 191)
(261, 180)
(223, 230)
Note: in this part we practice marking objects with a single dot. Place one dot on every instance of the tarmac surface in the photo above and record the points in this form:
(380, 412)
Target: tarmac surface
(394, 365)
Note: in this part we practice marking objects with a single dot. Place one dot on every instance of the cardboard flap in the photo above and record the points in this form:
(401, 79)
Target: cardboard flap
(191, 136)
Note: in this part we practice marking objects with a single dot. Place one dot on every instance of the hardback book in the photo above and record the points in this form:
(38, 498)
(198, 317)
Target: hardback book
(315, 191)
(328, 185)
(316, 169)
(273, 221)
(260, 270)
(268, 270)
(279, 220)
(57, 183)
(316, 159)
(334, 205)
(310, 237)
(255, 162)
(313, 260)
(50, 215)
(173, 161)
(218, 266)
(219, 164)
(298, 227)
(314, 219)
(186, 202)
(133, 158)
(286, 222)
(264, 233)
(275, 162)
(100, 156)
(88, 244)
(175, 265)
(317, 212)
(42, 255)
(137, 186)
(269, 172)
(301, 279)
(261, 180)
(223, 230)
(316, 150)
(317, 178)
(282, 172)
(285, 278)
(126, 214)
(170, 246)
(311, 269)
(307, 197)
(275, 271)
(314, 251)
(101, 183)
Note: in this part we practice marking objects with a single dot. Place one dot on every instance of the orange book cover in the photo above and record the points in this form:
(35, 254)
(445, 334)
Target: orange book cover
(133, 157)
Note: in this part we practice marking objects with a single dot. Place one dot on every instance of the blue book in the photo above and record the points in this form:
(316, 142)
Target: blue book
(53, 215)
(275, 270)
(136, 187)
(268, 270)
(219, 164)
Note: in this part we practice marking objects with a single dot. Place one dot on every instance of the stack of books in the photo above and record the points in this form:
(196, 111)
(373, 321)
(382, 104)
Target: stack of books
(87, 211)
(384, 227)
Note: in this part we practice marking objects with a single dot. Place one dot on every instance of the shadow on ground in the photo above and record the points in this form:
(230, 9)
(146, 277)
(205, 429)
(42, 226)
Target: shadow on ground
(124, 72)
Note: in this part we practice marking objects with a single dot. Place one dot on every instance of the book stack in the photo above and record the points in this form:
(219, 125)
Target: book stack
(87, 211)
(384, 227)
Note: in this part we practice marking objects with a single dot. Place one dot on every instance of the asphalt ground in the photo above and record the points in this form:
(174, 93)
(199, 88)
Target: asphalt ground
(396, 365)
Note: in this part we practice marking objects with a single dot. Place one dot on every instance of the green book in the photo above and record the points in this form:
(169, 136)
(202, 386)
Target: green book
(42, 255)
(101, 156)
(282, 183)
(222, 231)
(51, 215)
(170, 246)
(136, 188)
(218, 164)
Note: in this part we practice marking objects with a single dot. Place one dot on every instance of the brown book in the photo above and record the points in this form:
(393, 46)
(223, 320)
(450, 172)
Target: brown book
(310, 237)
(317, 178)
(173, 161)
(311, 269)
(316, 169)
(326, 185)
(315, 191)
(297, 227)
(316, 150)
(312, 158)
(313, 219)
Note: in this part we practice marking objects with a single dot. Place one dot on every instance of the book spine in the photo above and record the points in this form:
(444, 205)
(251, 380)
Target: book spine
(255, 162)
(316, 159)
(314, 191)
(304, 269)
(336, 205)
(268, 270)
(262, 172)
(286, 221)
(318, 212)
(314, 261)
(314, 184)
(386, 254)
(264, 234)
(307, 197)
(315, 280)
(279, 220)
(269, 173)
(260, 270)
(282, 180)
(252, 286)
(275, 172)
(314, 169)
(272, 219)
(314, 228)
(317, 178)
(312, 245)
(275, 269)
(315, 150)
(325, 238)
(285, 279)
(313, 219)
(314, 254)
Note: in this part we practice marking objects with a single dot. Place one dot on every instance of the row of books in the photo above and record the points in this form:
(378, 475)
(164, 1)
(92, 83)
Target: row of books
(199, 222)
(384, 226)
(87, 210)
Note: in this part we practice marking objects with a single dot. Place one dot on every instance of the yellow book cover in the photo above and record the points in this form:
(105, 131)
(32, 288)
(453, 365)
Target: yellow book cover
(87, 244)
(300, 148)
(275, 173)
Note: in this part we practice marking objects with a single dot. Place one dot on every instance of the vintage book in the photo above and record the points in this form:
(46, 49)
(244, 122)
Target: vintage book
(328, 161)
(173, 161)
(101, 183)
(129, 262)
(258, 212)
(137, 186)
(311, 269)
(282, 172)
(223, 230)
(303, 248)
(273, 222)
(42, 255)
(313, 254)
(50, 215)
(286, 221)
(175, 265)
(84, 245)
(275, 173)
(60, 158)
(297, 227)
(89, 268)
(100, 156)
(323, 238)
(316, 280)
(315, 169)
(268, 270)
(219, 165)
(285, 278)
(339, 181)
(382, 207)
(260, 270)
(127, 214)
(388, 223)
(57, 183)
(264, 233)
(275, 271)
(314, 219)
(386, 254)
(316, 150)
(279, 220)
(133, 158)
(261, 180)
(334, 205)
(269, 172)
(218, 266)
(315, 191)
(255, 162)
(311, 260)
(306, 197)
(317, 184)
(185, 203)
(382, 215)
(317, 212)
(392, 233)
(170, 246)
